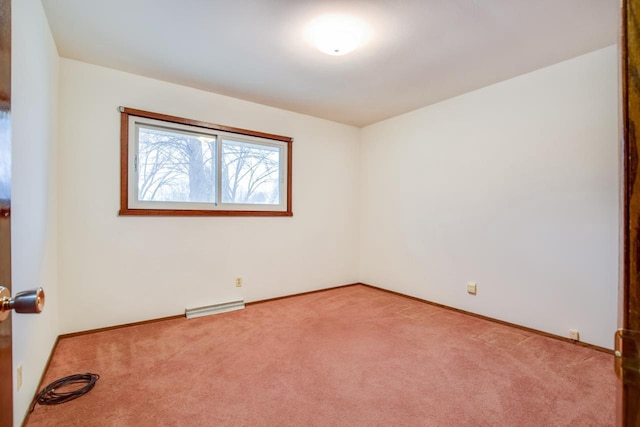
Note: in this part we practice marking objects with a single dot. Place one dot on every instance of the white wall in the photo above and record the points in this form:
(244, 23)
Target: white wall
(116, 270)
(514, 186)
(34, 207)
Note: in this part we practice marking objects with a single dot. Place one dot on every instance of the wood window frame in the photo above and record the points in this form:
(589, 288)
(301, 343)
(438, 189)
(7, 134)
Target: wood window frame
(125, 210)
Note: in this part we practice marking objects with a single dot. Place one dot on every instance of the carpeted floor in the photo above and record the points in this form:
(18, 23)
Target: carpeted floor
(353, 356)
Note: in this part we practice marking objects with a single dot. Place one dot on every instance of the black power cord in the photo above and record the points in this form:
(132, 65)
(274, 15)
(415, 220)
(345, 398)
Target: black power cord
(49, 395)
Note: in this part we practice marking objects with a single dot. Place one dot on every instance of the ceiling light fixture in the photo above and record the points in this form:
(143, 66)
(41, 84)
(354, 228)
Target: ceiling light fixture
(338, 34)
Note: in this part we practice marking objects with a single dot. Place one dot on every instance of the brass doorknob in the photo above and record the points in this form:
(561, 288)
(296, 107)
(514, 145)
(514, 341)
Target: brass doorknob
(31, 301)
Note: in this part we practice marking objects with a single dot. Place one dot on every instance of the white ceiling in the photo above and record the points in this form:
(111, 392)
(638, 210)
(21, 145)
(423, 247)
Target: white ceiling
(421, 51)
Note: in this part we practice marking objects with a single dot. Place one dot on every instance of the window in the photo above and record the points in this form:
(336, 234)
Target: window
(175, 166)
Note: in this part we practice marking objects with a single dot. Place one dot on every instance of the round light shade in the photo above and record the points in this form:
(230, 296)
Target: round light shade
(338, 34)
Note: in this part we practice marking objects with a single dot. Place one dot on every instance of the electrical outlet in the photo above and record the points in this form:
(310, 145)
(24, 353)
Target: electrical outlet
(19, 377)
(574, 334)
(238, 282)
(472, 288)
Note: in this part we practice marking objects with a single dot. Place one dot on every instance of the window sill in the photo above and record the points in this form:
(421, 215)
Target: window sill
(180, 212)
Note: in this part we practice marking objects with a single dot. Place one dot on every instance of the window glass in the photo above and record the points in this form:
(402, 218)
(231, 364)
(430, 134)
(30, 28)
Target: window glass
(250, 173)
(176, 166)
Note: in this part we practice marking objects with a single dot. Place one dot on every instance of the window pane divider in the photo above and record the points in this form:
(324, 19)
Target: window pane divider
(159, 198)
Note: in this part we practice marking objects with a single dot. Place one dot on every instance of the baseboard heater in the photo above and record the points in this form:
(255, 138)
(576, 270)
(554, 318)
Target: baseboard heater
(222, 307)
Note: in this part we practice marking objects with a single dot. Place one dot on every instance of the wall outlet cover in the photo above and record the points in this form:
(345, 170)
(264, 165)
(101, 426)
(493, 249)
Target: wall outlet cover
(19, 377)
(472, 288)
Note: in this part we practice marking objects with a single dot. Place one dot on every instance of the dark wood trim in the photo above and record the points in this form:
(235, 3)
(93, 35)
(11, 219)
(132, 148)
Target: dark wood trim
(628, 402)
(124, 325)
(624, 199)
(124, 168)
(206, 125)
(7, 415)
(491, 319)
(41, 382)
(299, 294)
(182, 316)
(199, 212)
(124, 162)
(446, 307)
(627, 166)
(289, 178)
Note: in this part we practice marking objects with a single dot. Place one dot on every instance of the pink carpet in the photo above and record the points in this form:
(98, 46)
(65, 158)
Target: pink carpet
(353, 356)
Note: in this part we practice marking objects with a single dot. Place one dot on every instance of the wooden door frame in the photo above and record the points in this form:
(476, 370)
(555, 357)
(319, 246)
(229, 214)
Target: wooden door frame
(629, 288)
(6, 365)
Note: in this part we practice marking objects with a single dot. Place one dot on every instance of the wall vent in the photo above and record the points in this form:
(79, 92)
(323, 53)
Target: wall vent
(214, 309)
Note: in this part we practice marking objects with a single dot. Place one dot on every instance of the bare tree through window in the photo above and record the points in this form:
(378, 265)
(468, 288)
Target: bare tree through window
(175, 166)
(180, 167)
(250, 173)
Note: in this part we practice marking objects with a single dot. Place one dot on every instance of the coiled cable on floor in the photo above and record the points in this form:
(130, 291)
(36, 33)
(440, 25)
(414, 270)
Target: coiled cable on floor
(49, 395)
